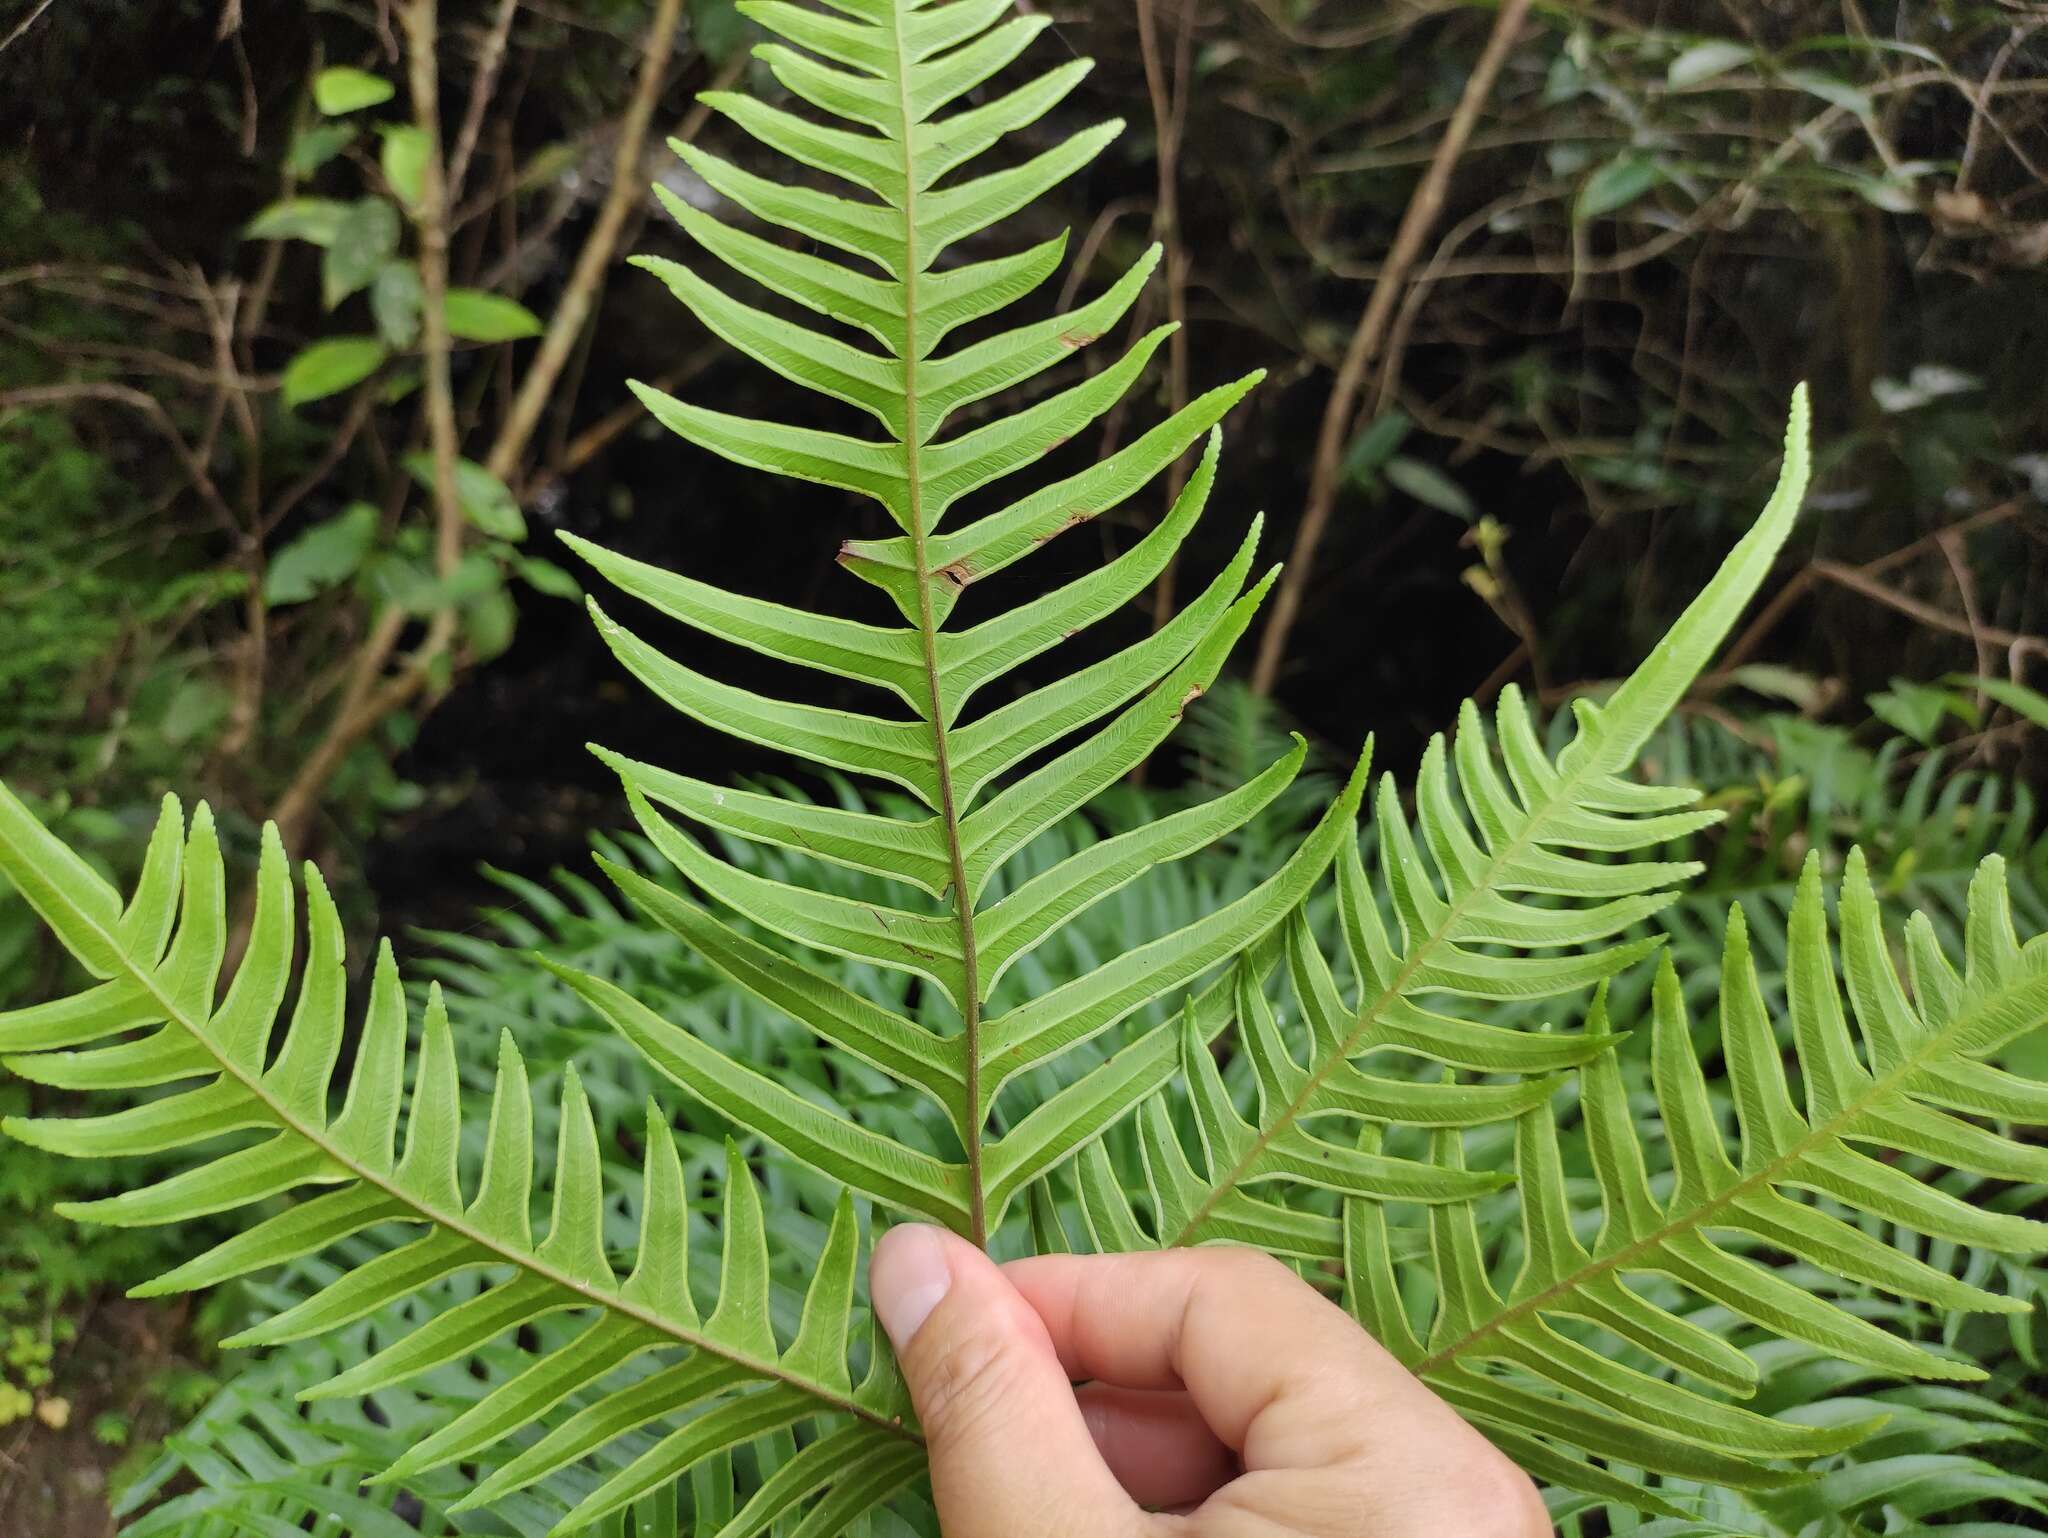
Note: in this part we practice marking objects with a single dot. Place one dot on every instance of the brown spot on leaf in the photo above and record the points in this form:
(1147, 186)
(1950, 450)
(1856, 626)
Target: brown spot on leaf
(957, 574)
(1194, 693)
(1078, 338)
(1075, 515)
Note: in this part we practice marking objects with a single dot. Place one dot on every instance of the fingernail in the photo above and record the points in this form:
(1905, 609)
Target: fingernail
(908, 1278)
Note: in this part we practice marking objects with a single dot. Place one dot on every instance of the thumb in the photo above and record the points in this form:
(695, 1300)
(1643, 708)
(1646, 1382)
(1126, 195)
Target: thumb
(1010, 1452)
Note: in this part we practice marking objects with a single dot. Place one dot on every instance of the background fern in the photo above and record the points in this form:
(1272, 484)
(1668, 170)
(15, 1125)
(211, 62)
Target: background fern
(1948, 1449)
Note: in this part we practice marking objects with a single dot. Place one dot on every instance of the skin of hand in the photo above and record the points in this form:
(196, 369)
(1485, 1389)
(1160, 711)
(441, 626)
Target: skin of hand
(1221, 1397)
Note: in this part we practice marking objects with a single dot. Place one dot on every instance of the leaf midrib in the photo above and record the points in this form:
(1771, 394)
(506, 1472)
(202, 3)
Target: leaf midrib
(1411, 964)
(1768, 1176)
(928, 636)
(527, 1261)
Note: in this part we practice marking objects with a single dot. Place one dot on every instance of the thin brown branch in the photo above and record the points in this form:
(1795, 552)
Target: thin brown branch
(1169, 116)
(25, 23)
(481, 89)
(436, 345)
(363, 707)
(1859, 581)
(584, 446)
(1801, 582)
(359, 410)
(1416, 223)
(579, 296)
(150, 407)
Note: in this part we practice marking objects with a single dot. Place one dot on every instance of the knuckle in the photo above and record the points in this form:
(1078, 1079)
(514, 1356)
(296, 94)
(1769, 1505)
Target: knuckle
(1467, 1490)
(1502, 1502)
(1248, 1268)
(963, 1386)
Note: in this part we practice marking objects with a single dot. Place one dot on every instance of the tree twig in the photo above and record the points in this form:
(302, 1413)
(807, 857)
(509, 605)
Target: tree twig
(481, 90)
(1169, 116)
(579, 297)
(361, 710)
(26, 22)
(1423, 208)
(1858, 581)
(150, 407)
(436, 345)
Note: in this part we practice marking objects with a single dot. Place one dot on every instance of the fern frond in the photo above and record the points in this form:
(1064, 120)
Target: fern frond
(1934, 1458)
(1506, 888)
(1728, 1229)
(899, 190)
(151, 1022)
(259, 1454)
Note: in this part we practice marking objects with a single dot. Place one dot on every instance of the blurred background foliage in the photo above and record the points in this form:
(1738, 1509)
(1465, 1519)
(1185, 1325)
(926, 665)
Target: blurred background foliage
(1532, 281)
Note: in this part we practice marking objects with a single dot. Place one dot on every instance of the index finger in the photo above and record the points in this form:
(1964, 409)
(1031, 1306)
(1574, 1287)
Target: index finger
(1282, 1375)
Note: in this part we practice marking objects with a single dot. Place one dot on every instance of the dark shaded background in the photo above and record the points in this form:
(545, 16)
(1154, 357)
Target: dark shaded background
(1615, 413)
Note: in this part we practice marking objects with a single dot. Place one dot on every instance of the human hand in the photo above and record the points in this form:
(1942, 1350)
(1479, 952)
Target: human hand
(1225, 1398)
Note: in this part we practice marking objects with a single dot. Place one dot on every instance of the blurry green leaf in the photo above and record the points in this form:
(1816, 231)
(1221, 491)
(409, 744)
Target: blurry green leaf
(1703, 61)
(1866, 44)
(475, 575)
(488, 624)
(344, 89)
(546, 577)
(2027, 703)
(547, 164)
(1429, 486)
(1831, 89)
(1917, 710)
(318, 220)
(1782, 683)
(485, 500)
(365, 241)
(402, 580)
(401, 729)
(404, 159)
(325, 554)
(1888, 192)
(1616, 185)
(1789, 791)
(1374, 446)
(330, 366)
(395, 300)
(316, 144)
(1826, 756)
(1565, 80)
(476, 316)
(720, 30)
(196, 707)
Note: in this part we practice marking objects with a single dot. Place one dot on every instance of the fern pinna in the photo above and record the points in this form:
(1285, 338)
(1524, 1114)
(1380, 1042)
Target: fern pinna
(1518, 875)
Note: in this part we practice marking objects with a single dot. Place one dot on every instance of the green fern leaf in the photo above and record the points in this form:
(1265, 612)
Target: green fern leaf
(1509, 894)
(1510, 1357)
(151, 1021)
(900, 190)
